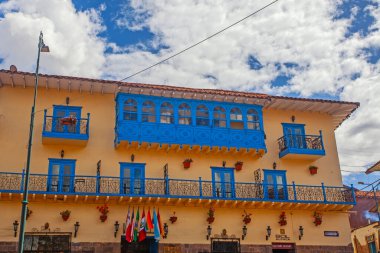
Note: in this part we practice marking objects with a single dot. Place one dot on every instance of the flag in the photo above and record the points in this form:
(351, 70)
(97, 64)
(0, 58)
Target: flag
(159, 221)
(136, 227)
(156, 228)
(142, 231)
(149, 222)
(128, 233)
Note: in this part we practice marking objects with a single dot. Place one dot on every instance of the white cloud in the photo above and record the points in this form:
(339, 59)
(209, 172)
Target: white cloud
(72, 37)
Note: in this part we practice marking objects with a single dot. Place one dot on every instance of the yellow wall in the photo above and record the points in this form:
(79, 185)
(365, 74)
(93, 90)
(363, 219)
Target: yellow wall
(15, 105)
(360, 235)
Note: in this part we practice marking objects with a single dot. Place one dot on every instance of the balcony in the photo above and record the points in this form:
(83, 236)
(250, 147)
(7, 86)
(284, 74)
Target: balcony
(65, 130)
(210, 126)
(176, 191)
(309, 147)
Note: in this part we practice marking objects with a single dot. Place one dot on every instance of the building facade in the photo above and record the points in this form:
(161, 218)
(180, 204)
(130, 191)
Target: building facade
(272, 159)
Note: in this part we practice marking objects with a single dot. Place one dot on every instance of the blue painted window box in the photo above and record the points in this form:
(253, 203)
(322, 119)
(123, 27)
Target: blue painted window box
(151, 119)
(66, 125)
(296, 144)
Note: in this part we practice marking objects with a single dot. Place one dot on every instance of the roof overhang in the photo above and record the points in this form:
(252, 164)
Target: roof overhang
(375, 167)
(339, 110)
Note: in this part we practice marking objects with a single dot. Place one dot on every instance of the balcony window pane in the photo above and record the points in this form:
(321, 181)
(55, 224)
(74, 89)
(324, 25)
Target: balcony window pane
(184, 114)
(166, 113)
(202, 116)
(236, 119)
(253, 121)
(130, 110)
(219, 119)
(148, 112)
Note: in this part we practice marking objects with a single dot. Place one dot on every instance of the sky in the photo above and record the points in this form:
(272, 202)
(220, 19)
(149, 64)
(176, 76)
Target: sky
(318, 49)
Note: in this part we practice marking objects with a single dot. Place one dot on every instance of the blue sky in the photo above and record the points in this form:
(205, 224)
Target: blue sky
(321, 49)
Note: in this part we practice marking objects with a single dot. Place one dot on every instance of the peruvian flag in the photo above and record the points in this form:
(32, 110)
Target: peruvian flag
(159, 221)
(129, 232)
(136, 227)
(142, 231)
(149, 222)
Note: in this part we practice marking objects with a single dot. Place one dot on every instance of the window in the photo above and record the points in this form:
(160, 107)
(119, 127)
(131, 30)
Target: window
(184, 114)
(66, 119)
(61, 175)
(166, 113)
(236, 119)
(253, 121)
(202, 116)
(275, 184)
(148, 112)
(130, 110)
(294, 135)
(219, 117)
(132, 178)
(223, 182)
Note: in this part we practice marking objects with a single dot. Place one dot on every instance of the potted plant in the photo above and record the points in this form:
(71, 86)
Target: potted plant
(173, 218)
(104, 210)
(317, 218)
(313, 169)
(246, 217)
(65, 214)
(69, 120)
(283, 221)
(211, 215)
(187, 162)
(28, 212)
(238, 165)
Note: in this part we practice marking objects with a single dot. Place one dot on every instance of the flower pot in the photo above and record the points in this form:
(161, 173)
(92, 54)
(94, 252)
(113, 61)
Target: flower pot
(65, 217)
(238, 167)
(186, 165)
(317, 222)
(283, 223)
(313, 170)
(173, 219)
(103, 217)
(247, 220)
(210, 220)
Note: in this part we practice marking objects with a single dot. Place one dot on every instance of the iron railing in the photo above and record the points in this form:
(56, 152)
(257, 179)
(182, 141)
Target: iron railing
(306, 142)
(66, 126)
(175, 188)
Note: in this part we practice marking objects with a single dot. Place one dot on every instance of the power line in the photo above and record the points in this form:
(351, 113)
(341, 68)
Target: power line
(368, 185)
(199, 42)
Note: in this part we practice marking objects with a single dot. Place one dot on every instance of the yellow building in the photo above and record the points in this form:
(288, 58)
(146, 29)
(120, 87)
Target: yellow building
(102, 142)
(366, 239)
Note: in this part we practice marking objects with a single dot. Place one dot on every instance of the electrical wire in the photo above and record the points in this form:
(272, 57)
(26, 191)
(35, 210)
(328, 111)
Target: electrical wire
(199, 42)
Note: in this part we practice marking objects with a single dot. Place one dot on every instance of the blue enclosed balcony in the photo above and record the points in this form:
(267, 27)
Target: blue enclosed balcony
(65, 126)
(176, 191)
(191, 124)
(295, 144)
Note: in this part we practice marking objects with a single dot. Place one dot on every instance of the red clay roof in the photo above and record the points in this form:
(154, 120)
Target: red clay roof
(366, 194)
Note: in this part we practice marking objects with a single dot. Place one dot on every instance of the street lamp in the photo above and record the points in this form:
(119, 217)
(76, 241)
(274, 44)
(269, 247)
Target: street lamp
(41, 48)
(374, 196)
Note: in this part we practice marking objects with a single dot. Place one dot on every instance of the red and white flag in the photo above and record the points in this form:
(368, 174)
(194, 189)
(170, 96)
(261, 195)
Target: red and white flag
(149, 222)
(142, 231)
(129, 232)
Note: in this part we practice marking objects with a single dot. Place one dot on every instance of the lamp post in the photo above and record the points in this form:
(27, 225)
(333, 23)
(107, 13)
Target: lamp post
(41, 48)
(375, 198)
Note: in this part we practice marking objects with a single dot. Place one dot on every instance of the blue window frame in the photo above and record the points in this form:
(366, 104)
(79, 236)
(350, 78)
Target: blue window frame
(130, 110)
(184, 114)
(236, 119)
(253, 119)
(275, 185)
(223, 182)
(60, 112)
(132, 178)
(294, 135)
(61, 175)
(167, 113)
(202, 116)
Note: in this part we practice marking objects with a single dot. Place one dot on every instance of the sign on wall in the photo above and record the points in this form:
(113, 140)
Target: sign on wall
(331, 233)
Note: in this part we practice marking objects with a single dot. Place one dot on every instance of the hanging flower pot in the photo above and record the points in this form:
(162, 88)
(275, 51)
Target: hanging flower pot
(238, 165)
(210, 220)
(283, 221)
(103, 217)
(68, 120)
(65, 215)
(187, 163)
(313, 169)
(317, 218)
(246, 217)
(173, 218)
(211, 215)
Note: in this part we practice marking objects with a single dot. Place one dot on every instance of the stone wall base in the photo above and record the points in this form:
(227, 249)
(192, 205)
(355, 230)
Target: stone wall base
(95, 247)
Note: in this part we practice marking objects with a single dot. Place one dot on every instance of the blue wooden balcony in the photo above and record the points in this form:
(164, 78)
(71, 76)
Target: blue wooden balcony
(301, 146)
(65, 130)
(176, 122)
(170, 188)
